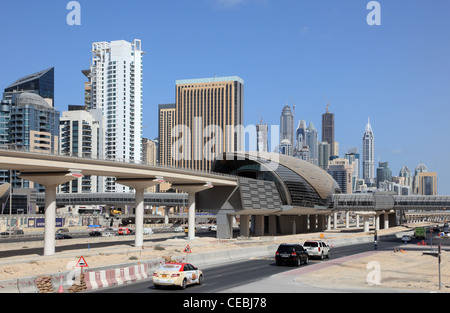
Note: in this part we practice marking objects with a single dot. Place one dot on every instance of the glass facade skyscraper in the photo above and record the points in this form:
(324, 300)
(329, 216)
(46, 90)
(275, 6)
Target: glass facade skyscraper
(41, 83)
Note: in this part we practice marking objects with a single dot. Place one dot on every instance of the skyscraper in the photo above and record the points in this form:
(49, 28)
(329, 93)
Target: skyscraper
(166, 123)
(384, 173)
(312, 143)
(287, 125)
(262, 137)
(427, 184)
(116, 89)
(34, 127)
(300, 135)
(81, 135)
(368, 162)
(41, 83)
(209, 116)
(328, 130)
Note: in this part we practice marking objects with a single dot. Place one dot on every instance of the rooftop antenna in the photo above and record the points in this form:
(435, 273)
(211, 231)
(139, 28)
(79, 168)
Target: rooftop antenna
(328, 103)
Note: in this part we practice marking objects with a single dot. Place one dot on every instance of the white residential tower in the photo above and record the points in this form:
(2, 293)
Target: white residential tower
(116, 82)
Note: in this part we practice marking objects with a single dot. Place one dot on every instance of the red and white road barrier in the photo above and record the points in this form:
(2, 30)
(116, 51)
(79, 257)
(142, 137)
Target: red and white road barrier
(115, 277)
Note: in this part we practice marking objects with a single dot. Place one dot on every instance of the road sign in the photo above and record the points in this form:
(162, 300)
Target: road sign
(322, 236)
(187, 249)
(82, 262)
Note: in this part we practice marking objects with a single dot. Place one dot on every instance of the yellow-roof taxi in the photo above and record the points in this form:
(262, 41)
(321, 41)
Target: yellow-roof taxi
(177, 274)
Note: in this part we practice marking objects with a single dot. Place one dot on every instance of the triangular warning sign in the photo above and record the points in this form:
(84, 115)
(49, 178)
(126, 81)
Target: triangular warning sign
(187, 249)
(82, 262)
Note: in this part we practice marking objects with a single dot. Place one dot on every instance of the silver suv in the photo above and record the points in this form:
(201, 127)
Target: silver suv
(317, 248)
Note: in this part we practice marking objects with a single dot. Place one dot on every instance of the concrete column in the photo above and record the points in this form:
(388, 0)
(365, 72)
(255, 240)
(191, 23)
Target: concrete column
(166, 216)
(139, 185)
(313, 223)
(335, 222)
(191, 216)
(50, 220)
(366, 224)
(304, 224)
(139, 217)
(347, 219)
(377, 222)
(245, 226)
(259, 225)
(272, 224)
(357, 220)
(386, 220)
(51, 180)
(329, 222)
(321, 223)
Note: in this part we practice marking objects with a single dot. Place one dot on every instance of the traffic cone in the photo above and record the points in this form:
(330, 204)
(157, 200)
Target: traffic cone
(61, 288)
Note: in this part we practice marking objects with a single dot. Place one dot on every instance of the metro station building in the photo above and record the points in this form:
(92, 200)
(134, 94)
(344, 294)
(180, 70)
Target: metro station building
(276, 194)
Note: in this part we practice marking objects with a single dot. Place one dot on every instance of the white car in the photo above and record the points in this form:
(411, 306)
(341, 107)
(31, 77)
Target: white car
(148, 231)
(317, 248)
(406, 238)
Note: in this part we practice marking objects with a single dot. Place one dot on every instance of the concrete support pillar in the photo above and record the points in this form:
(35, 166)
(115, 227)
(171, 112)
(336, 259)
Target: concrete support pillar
(386, 220)
(50, 220)
(347, 219)
(329, 222)
(377, 222)
(272, 224)
(139, 217)
(335, 221)
(357, 220)
(320, 223)
(245, 226)
(51, 181)
(191, 216)
(303, 224)
(366, 224)
(259, 225)
(191, 190)
(166, 216)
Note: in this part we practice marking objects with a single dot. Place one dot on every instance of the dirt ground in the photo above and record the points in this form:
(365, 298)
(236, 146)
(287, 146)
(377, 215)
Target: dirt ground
(403, 270)
(408, 270)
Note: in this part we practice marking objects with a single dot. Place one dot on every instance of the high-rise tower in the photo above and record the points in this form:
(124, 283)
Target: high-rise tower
(328, 130)
(209, 116)
(287, 125)
(116, 89)
(368, 161)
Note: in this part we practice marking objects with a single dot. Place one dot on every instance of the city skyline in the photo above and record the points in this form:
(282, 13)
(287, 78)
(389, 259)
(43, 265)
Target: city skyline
(395, 73)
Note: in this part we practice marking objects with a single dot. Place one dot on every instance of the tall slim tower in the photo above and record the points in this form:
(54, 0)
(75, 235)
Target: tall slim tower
(328, 130)
(262, 144)
(116, 89)
(287, 125)
(368, 161)
(165, 125)
(209, 115)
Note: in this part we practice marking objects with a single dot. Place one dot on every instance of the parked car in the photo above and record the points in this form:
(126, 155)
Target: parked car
(178, 229)
(95, 233)
(317, 248)
(62, 236)
(108, 234)
(406, 238)
(125, 231)
(177, 274)
(213, 228)
(148, 231)
(291, 254)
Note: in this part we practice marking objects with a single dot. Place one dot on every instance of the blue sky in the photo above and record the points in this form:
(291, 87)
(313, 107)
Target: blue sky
(299, 51)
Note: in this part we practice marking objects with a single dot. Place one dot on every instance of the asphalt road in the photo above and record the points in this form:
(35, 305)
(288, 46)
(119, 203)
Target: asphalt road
(222, 277)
